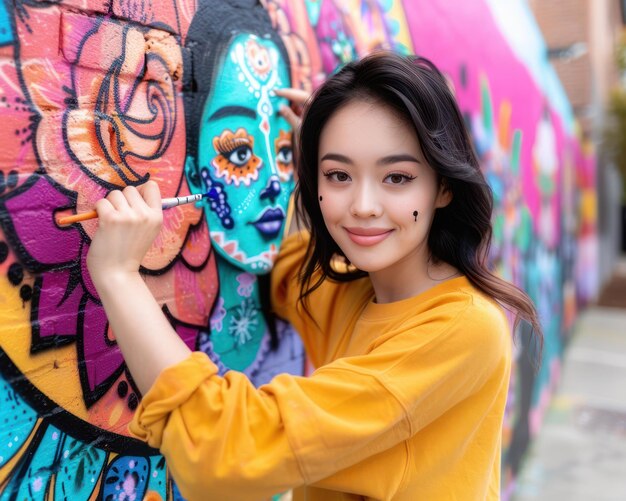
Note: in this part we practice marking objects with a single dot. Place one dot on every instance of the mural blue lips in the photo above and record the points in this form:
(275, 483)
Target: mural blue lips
(270, 222)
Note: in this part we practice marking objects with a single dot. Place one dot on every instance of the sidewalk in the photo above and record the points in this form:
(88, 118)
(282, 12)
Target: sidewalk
(580, 452)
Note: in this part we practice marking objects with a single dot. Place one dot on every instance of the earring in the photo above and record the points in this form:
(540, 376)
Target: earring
(415, 214)
(321, 198)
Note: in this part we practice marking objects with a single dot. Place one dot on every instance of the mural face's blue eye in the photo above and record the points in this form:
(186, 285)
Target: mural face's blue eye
(240, 156)
(285, 155)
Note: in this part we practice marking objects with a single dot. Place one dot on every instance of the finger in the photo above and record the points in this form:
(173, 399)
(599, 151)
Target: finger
(104, 207)
(118, 200)
(151, 194)
(297, 96)
(134, 198)
(292, 118)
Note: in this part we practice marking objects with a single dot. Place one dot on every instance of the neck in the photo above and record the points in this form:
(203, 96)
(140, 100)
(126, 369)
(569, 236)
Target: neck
(414, 274)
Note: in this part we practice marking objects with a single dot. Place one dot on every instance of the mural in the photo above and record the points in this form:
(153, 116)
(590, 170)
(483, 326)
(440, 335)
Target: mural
(99, 94)
(239, 151)
(97, 102)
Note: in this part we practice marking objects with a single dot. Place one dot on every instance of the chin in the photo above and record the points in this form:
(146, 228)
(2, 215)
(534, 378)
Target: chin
(367, 265)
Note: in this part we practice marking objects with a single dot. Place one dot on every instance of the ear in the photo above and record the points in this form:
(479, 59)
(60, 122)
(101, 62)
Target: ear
(444, 196)
(193, 176)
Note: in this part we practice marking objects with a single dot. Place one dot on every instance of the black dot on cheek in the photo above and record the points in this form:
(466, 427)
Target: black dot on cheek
(4, 252)
(26, 292)
(133, 401)
(16, 274)
(122, 389)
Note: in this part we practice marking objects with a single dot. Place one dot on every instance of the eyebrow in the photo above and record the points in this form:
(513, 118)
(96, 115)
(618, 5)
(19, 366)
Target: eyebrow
(388, 160)
(228, 111)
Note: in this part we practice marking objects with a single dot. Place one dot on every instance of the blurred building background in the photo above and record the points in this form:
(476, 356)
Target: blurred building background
(584, 39)
(580, 450)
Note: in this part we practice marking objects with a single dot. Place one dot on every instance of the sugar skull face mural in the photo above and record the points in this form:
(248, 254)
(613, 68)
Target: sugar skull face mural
(239, 153)
(247, 169)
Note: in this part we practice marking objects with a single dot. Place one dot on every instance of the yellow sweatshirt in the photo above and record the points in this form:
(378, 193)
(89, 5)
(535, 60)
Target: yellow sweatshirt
(406, 402)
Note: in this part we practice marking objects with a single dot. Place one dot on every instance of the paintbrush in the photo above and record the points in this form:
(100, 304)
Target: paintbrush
(166, 203)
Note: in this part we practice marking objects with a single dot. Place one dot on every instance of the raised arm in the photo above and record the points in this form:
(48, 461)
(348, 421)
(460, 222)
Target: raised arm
(128, 223)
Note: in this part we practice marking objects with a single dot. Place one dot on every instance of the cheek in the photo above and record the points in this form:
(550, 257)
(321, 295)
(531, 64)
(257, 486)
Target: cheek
(403, 208)
(331, 207)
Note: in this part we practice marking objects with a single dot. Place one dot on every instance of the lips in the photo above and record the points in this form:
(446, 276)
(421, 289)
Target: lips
(270, 223)
(367, 236)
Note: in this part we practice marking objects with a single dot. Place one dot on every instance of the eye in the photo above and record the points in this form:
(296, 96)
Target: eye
(240, 155)
(397, 178)
(337, 176)
(235, 161)
(285, 155)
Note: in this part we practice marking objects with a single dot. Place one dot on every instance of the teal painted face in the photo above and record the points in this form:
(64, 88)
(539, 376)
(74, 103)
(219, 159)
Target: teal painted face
(244, 155)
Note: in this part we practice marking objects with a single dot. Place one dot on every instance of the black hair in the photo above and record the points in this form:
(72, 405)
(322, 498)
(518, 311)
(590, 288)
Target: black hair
(461, 232)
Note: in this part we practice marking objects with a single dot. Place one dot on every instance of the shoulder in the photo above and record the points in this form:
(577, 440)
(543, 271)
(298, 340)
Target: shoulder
(454, 316)
(464, 306)
(484, 315)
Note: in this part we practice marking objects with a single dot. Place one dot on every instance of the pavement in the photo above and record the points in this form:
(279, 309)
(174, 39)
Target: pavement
(580, 451)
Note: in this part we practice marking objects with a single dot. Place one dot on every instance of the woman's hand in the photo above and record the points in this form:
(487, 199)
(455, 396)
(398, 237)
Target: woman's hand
(293, 113)
(129, 220)
(298, 98)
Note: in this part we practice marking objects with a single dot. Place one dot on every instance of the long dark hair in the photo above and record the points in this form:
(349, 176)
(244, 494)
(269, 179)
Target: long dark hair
(461, 232)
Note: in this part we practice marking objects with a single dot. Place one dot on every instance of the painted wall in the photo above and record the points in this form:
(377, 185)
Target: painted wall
(99, 94)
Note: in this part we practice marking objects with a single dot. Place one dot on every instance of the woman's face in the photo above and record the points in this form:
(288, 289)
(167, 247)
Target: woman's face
(378, 195)
(245, 156)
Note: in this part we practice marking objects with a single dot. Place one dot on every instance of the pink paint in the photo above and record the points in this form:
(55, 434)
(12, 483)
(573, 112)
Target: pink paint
(440, 28)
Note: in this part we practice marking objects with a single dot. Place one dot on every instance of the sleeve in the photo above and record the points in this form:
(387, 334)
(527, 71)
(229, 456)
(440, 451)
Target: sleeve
(225, 439)
(330, 301)
(222, 436)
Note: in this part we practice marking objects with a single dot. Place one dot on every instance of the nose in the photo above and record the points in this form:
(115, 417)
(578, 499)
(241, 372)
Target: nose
(272, 189)
(365, 202)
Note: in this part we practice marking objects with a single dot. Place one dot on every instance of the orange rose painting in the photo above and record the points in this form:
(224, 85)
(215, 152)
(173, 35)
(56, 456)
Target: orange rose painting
(92, 103)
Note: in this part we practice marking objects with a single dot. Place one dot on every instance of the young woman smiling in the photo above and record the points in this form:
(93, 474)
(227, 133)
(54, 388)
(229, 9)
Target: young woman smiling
(390, 291)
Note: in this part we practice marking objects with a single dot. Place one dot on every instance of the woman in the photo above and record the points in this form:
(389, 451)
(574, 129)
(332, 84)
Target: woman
(410, 342)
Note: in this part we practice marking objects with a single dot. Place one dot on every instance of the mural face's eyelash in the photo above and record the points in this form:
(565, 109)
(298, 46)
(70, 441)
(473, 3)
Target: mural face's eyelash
(227, 145)
(282, 145)
(283, 139)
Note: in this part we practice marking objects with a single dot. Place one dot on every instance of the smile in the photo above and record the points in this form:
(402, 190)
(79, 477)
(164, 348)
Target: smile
(367, 236)
(270, 223)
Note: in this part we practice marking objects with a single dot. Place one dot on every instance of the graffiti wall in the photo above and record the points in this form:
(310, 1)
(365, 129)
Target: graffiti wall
(96, 95)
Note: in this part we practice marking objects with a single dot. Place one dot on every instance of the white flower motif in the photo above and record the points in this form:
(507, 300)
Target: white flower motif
(244, 320)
